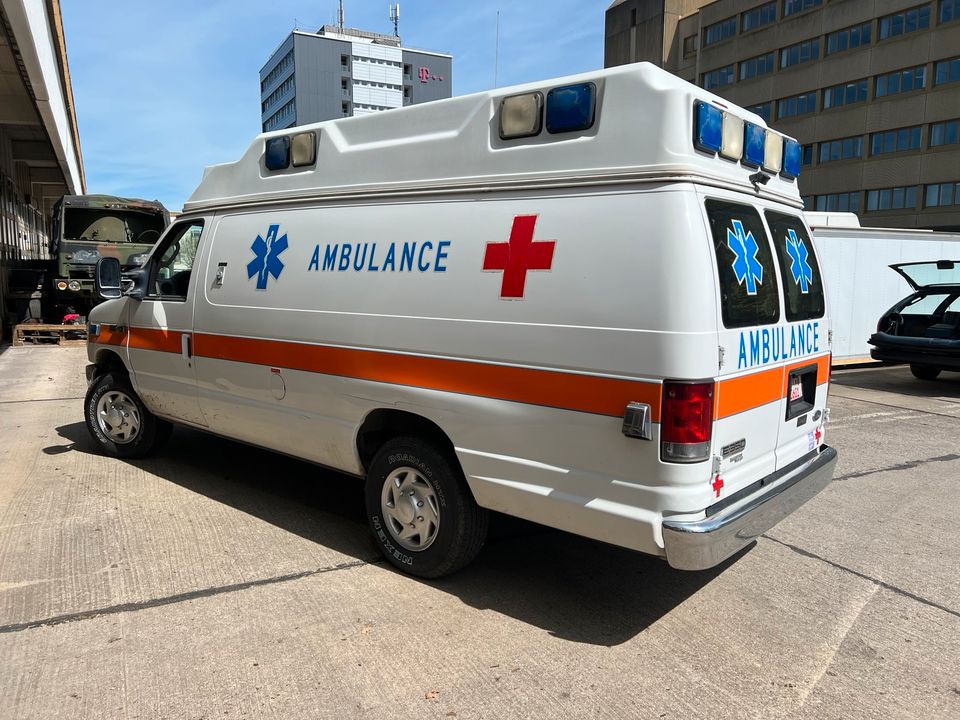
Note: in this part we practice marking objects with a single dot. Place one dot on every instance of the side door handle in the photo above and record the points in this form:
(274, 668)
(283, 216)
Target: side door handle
(185, 348)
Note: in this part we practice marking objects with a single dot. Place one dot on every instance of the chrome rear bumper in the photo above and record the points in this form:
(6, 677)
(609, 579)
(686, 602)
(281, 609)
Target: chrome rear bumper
(701, 544)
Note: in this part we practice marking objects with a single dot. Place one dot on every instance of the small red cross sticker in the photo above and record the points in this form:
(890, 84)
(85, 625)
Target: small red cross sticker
(818, 435)
(518, 256)
(717, 484)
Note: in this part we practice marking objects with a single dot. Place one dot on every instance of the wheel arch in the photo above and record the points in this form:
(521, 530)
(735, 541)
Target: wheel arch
(382, 424)
(107, 361)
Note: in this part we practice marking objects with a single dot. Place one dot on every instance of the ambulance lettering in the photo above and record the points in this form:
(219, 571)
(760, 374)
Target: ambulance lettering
(423, 256)
(777, 344)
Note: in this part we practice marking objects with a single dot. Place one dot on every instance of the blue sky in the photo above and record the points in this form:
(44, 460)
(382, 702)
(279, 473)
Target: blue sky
(163, 89)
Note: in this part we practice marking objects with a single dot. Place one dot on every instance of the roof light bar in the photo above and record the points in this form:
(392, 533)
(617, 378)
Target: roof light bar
(773, 152)
(708, 127)
(754, 137)
(731, 145)
(791, 159)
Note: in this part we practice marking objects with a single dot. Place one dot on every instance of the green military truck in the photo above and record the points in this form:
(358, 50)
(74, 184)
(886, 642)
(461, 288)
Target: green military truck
(83, 229)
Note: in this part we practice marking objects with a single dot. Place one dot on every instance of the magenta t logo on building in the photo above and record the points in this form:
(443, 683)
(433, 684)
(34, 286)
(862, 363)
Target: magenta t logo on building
(424, 74)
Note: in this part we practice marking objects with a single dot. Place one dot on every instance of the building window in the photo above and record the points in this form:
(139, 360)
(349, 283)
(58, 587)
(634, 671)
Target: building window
(942, 194)
(763, 110)
(797, 105)
(407, 70)
(949, 10)
(895, 140)
(843, 149)
(895, 198)
(754, 67)
(719, 31)
(845, 94)
(849, 38)
(718, 78)
(901, 81)
(806, 157)
(836, 202)
(791, 7)
(279, 69)
(946, 71)
(281, 117)
(760, 16)
(905, 21)
(284, 87)
(945, 133)
(345, 108)
(800, 53)
(689, 46)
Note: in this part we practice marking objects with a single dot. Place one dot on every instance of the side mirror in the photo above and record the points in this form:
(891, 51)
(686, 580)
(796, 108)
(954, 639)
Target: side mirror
(107, 278)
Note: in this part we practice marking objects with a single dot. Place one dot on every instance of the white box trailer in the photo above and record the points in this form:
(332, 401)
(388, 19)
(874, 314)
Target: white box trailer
(856, 268)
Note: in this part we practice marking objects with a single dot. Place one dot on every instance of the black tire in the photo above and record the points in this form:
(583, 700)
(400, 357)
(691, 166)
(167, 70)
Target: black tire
(924, 372)
(151, 434)
(461, 525)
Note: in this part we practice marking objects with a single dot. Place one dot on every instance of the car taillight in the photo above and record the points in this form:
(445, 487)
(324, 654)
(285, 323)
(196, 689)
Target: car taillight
(686, 421)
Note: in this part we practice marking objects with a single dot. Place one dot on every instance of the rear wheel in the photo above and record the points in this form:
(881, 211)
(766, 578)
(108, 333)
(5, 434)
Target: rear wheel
(924, 372)
(118, 420)
(421, 512)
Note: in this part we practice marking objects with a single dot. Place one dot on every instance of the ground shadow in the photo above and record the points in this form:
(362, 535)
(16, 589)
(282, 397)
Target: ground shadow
(899, 379)
(571, 587)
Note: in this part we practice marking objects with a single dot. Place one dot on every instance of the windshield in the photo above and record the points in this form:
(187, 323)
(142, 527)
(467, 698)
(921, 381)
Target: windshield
(112, 226)
(921, 274)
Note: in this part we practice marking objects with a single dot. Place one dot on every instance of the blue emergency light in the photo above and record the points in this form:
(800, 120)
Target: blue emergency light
(571, 108)
(277, 153)
(709, 127)
(753, 141)
(791, 158)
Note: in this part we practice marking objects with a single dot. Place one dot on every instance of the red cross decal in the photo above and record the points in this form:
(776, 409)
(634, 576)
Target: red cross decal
(818, 435)
(518, 256)
(717, 484)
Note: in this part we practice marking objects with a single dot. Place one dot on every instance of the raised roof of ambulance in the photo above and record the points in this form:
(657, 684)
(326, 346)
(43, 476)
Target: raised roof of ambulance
(643, 132)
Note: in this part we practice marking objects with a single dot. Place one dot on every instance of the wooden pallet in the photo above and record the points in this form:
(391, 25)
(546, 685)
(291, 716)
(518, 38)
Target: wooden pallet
(40, 334)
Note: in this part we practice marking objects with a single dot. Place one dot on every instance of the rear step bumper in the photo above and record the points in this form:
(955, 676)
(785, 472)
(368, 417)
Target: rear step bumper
(702, 544)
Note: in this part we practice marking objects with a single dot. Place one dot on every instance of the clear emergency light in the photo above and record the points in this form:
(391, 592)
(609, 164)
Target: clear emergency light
(716, 131)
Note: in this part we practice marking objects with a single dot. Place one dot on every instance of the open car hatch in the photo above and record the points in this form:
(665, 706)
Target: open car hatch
(930, 273)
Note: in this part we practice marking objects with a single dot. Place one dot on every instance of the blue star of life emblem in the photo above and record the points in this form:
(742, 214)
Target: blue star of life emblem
(748, 269)
(799, 265)
(266, 259)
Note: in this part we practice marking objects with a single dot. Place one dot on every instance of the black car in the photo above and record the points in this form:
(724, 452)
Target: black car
(923, 329)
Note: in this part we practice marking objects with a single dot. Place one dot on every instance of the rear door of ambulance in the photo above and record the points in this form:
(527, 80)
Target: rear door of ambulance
(765, 352)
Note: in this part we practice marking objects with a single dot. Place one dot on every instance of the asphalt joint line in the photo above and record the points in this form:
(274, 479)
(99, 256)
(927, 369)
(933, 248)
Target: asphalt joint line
(879, 583)
(181, 597)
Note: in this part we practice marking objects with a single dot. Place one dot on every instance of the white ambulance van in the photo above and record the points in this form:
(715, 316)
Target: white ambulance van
(591, 302)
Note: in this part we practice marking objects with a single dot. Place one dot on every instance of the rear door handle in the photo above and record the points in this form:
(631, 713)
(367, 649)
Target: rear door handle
(185, 348)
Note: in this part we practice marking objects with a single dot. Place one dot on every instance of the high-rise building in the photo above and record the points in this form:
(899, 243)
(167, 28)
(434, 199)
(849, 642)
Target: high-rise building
(870, 88)
(338, 72)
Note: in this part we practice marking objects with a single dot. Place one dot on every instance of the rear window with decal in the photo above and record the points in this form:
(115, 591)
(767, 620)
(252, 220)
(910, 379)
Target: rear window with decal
(748, 284)
(803, 289)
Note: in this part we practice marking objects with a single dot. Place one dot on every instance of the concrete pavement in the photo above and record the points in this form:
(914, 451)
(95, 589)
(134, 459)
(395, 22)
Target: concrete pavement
(222, 581)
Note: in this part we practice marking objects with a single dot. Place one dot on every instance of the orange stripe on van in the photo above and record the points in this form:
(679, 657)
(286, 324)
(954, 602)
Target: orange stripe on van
(152, 339)
(567, 391)
(739, 394)
(110, 336)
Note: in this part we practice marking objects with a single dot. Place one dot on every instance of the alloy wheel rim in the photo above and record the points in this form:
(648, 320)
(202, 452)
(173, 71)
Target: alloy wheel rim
(118, 417)
(410, 508)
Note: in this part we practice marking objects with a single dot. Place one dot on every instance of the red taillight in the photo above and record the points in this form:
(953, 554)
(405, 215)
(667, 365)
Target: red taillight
(686, 421)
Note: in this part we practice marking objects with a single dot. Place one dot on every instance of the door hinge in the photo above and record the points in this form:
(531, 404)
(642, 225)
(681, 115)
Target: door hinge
(721, 352)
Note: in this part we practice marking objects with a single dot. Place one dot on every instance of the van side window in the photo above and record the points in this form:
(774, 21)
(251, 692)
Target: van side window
(173, 262)
(802, 285)
(748, 282)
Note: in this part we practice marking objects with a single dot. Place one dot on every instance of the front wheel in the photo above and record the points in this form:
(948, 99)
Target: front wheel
(924, 372)
(421, 512)
(118, 420)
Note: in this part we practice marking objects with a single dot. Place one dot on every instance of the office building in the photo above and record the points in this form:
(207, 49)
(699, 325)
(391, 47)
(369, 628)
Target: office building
(870, 88)
(339, 72)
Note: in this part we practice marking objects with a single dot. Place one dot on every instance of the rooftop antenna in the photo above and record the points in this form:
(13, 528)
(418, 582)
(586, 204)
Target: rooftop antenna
(340, 17)
(395, 19)
(496, 53)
